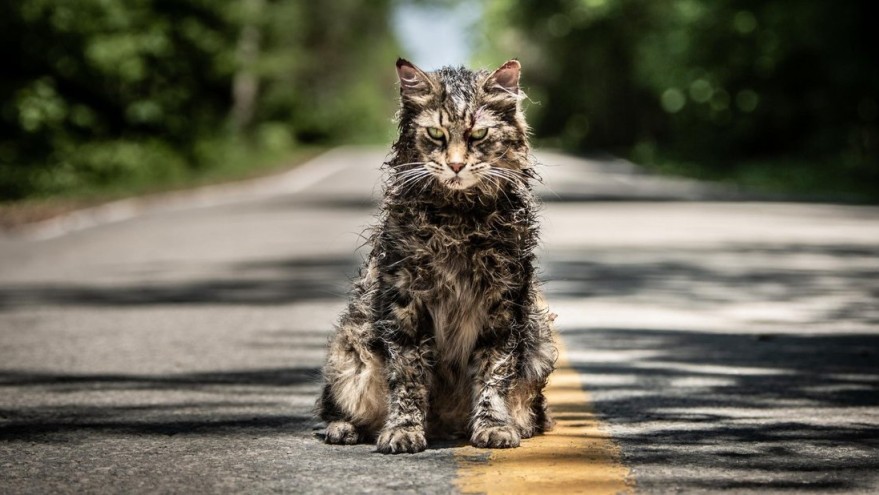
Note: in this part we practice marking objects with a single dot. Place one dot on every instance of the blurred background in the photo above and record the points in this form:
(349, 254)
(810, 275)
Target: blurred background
(107, 98)
(729, 346)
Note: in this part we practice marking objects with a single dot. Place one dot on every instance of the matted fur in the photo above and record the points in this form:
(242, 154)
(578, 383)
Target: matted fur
(445, 334)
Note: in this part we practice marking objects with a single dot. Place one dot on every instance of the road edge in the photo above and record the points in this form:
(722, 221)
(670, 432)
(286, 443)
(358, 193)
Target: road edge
(288, 182)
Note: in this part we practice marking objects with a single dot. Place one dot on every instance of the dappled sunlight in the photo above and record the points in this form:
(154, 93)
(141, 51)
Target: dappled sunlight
(770, 409)
(812, 283)
(725, 347)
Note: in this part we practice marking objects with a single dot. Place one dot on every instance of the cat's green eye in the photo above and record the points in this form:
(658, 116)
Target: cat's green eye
(436, 133)
(478, 134)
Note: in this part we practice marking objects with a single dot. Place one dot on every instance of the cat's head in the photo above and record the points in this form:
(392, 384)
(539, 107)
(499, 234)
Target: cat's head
(460, 130)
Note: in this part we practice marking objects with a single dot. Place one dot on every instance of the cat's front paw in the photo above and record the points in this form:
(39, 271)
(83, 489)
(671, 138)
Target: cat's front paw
(342, 432)
(495, 437)
(401, 441)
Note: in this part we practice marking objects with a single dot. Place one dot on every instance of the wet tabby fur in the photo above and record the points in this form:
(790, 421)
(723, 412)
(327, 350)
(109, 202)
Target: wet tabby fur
(445, 334)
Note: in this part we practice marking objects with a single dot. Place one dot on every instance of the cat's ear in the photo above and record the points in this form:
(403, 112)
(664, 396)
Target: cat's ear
(413, 81)
(505, 79)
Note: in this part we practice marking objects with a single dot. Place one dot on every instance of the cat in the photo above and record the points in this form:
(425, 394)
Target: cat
(446, 334)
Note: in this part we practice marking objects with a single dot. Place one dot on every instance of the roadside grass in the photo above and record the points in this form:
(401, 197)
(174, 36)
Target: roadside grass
(786, 179)
(233, 162)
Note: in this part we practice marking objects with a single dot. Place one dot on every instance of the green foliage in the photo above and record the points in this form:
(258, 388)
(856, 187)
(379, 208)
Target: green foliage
(330, 72)
(116, 93)
(732, 85)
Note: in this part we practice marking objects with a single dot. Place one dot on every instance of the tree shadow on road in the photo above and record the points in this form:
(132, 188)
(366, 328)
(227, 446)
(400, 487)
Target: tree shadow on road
(736, 273)
(791, 406)
(52, 406)
(253, 402)
(757, 412)
(257, 283)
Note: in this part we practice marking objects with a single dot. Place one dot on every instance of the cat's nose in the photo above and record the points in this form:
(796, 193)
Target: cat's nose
(456, 167)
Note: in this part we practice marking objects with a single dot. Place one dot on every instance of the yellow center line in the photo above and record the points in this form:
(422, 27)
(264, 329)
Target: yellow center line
(577, 456)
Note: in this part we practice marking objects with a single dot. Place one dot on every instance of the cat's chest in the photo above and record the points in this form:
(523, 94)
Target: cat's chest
(458, 241)
(460, 263)
(452, 256)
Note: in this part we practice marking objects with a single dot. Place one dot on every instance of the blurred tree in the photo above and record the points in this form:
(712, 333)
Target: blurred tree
(103, 92)
(326, 69)
(99, 90)
(579, 63)
(785, 90)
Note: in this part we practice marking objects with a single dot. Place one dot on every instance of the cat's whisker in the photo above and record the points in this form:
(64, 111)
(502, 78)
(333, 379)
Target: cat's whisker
(506, 196)
(499, 171)
(514, 177)
(501, 157)
(410, 173)
(410, 184)
(424, 186)
(398, 165)
(496, 180)
(503, 176)
(424, 181)
(405, 178)
(403, 186)
(413, 179)
(420, 166)
(416, 173)
(510, 171)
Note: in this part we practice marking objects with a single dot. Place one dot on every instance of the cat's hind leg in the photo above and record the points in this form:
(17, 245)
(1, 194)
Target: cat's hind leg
(526, 401)
(355, 396)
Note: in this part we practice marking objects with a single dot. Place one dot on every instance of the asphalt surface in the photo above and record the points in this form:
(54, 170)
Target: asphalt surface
(728, 346)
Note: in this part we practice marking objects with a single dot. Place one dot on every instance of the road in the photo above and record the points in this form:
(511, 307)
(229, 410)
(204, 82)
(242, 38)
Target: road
(722, 345)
